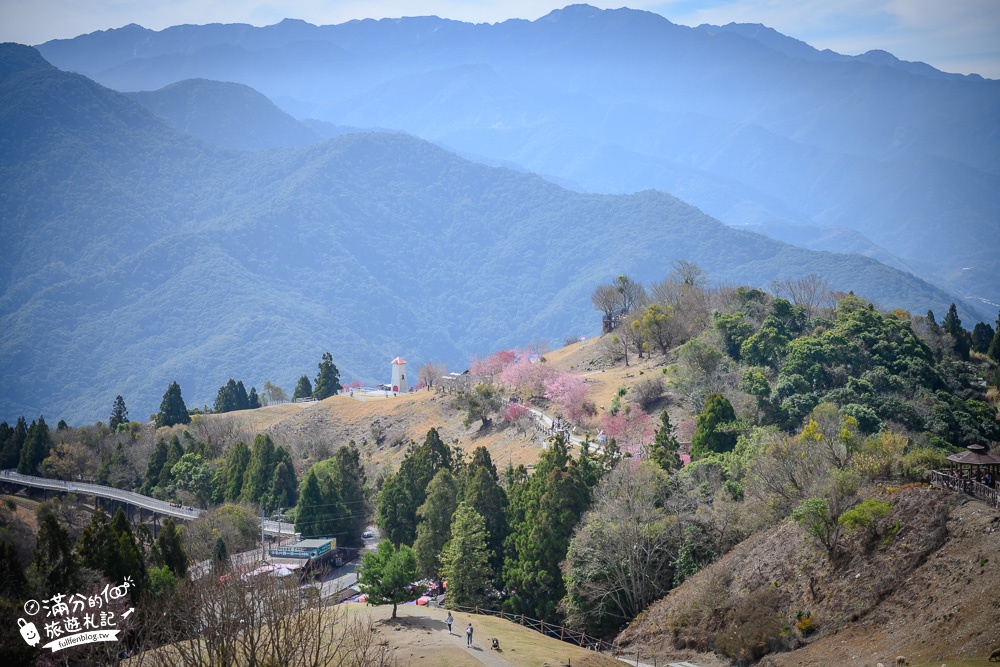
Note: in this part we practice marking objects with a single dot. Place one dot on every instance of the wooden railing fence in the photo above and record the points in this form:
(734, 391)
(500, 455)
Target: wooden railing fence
(560, 632)
(963, 485)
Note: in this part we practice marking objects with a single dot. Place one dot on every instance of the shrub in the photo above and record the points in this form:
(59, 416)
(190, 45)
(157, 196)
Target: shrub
(805, 623)
(647, 392)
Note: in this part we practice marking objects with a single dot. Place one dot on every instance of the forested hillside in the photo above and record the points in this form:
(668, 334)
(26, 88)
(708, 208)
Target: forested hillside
(864, 153)
(137, 255)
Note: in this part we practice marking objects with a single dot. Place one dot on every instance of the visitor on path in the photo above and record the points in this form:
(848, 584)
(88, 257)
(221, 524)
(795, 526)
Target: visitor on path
(449, 621)
(468, 636)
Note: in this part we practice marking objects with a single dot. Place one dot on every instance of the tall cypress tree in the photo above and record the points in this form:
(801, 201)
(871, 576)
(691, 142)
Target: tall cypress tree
(327, 380)
(54, 563)
(953, 327)
(993, 352)
(11, 442)
(484, 494)
(347, 475)
(171, 548)
(242, 400)
(37, 445)
(260, 469)
(253, 401)
(119, 414)
(172, 408)
(236, 466)
(465, 559)
(434, 529)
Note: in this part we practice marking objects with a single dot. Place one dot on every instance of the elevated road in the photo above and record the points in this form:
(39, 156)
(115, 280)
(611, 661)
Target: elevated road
(135, 499)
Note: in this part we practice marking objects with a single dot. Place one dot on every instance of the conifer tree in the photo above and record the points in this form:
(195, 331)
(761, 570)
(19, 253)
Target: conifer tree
(484, 494)
(242, 400)
(465, 559)
(953, 327)
(993, 352)
(174, 453)
(172, 408)
(284, 487)
(303, 389)
(220, 556)
(434, 529)
(664, 450)
(54, 566)
(387, 574)
(119, 414)
(544, 510)
(260, 469)
(236, 465)
(11, 443)
(37, 445)
(253, 401)
(225, 399)
(347, 475)
(405, 491)
(320, 511)
(327, 380)
(95, 548)
(171, 549)
(127, 560)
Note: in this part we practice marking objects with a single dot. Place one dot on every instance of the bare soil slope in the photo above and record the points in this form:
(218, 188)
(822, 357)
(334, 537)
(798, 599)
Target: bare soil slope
(930, 592)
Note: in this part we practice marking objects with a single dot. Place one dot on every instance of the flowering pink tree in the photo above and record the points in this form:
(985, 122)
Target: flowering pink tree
(354, 384)
(631, 428)
(493, 365)
(515, 412)
(569, 392)
(526, 378)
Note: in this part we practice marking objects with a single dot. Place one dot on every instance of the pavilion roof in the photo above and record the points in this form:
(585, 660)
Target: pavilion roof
(975, 455)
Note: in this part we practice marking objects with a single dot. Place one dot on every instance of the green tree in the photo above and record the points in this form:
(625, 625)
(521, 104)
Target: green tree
(242, 400)
(192, 474)
(406, 491)
(119, 414)
(347, 475)
(260, 469)
(127, 560)
(174, 453)
(220, 556)
(154, 466)
(434, 529)
(172, 408)
(327, 380)
(54, 566)
(387, 574)
(97, 544)
(253, 401)
(465, 559)
(544, 510)
(480, 404)
(37, 446)
(171, 548)
(236, 465)
(952, 326)
(303, 389)
(13, 443)
(665, 449)
(994, 350)
(225, 399)
(284, 490)
(709, 435)
(320, 510)
(484, 494)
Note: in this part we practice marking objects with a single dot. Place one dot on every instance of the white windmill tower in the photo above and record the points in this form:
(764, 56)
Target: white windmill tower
(399, 376)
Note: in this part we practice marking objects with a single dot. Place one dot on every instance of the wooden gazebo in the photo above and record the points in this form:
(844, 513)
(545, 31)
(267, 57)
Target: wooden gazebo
(975, 463)
(973, 471)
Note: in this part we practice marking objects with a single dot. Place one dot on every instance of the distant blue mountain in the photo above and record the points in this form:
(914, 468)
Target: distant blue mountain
(136, 254)
(754, 127)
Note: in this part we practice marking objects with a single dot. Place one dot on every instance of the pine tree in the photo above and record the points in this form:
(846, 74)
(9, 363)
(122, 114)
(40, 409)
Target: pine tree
(708, 436)
(95, 548)
(225, 399)
(303, 389)
(465, 559)
(174, 453)
(664, 450)
(284, 490)
(242, 400)
(387, 574)
(347, 475)
(171, 549)
(119, 414)
(253, 401)
(327, 380)
(405, 491)
(172, 408)
(434, 529)
(320, 511)
(127, 560)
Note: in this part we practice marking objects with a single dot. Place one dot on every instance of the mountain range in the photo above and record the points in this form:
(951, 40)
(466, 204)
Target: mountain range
(867, 153)
(136, 254)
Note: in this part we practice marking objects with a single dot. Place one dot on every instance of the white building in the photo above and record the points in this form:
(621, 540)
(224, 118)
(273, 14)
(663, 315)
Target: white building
(399, 375)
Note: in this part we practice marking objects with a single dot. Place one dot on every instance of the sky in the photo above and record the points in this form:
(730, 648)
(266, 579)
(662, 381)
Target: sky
(953, 35)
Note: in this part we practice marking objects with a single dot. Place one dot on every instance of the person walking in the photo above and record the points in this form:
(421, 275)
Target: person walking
(449, 621)
(468, 636)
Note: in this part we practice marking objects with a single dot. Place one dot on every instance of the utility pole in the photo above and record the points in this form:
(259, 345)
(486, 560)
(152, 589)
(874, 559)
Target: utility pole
(263, 553)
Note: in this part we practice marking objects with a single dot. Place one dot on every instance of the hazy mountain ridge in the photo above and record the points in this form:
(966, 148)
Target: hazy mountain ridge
(139, 255)
(751, 126)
